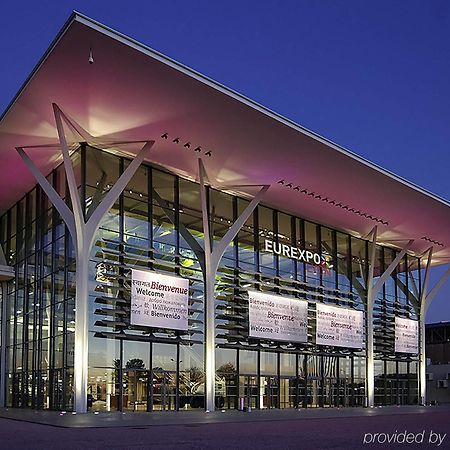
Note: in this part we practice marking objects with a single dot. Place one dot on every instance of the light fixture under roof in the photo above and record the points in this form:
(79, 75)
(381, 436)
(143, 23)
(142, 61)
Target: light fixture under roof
(332, 202)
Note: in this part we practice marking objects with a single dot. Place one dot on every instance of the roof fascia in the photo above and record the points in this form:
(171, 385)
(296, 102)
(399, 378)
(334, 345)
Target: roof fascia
(243, 99)
(91, 23)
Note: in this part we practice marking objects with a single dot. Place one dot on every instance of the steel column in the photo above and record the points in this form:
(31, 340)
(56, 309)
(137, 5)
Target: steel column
(3, 346)
(83, 234)
(370, 362)
(212, 260)
(425, 301)
(421, 372)
(372, 292)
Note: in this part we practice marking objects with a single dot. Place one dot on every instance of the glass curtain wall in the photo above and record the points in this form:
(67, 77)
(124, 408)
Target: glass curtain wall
(133, 368)
(40, 313)
(396, 376)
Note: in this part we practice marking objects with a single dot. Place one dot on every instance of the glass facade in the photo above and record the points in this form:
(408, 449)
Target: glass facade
(135, 368)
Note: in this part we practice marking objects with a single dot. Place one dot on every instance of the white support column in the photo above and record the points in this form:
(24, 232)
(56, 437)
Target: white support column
(425, 301)
(213, 255)
(209, 276)
(83, 234)
(372, 292)
(422, 378)
(369, 329)
(6, 273)
(3, 347)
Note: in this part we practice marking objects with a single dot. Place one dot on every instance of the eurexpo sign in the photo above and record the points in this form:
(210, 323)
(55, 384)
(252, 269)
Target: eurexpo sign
(299, 254)
(159, 301)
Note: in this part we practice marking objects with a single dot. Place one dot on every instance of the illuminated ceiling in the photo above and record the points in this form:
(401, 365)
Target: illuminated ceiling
(131, 92)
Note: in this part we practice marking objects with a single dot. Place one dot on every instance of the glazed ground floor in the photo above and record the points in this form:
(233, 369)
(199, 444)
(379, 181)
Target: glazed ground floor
(70, 339)
(169, 378)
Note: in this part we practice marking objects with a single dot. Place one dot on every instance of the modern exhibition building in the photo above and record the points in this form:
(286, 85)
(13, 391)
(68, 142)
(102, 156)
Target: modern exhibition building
(168, 244)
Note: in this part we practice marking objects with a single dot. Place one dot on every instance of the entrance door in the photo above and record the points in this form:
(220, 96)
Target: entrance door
(270, 391)
(402, 391)
(164, 390)
(345, 392)
(391, 391)
(56, 389)
(135, 390)
(313, 386)
(17, 390)
(248, 389)
(330, 392)
(288, 392)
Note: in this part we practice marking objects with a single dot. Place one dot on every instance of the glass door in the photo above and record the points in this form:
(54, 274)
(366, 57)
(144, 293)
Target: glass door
(312, 392)
(141, 391)
(314, 381)
(330, 387)
(402, 390)
(135, 390)
(345, 392)
(288, 392)
(164, 378)
(302, 399)
(56, 389)
(17, 390)
(330, 392)
(269, 389)
(391, 392)
(248, 389)
(164, 390)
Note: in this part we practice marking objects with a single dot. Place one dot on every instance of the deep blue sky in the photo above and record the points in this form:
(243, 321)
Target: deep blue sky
(373, 76)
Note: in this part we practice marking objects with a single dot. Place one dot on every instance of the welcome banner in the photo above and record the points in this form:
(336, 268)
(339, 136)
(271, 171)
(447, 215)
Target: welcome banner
(277, 318)
(341, 327)
(406, 335)
(159, 301)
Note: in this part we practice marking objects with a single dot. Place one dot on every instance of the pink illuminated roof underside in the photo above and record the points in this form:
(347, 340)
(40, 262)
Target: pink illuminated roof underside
(133, 93)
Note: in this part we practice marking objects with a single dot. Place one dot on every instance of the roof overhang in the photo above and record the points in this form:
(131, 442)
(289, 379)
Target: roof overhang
(132, 92)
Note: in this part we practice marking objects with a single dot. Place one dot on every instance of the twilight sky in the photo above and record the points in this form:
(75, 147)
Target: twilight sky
(372, 76)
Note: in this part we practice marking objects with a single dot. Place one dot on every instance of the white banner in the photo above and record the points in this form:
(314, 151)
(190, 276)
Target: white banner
(406, 335)
(159, 301)
(341, 327)
(277, 318)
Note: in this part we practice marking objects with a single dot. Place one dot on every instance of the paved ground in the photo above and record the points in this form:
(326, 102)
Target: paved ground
(233, 430)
